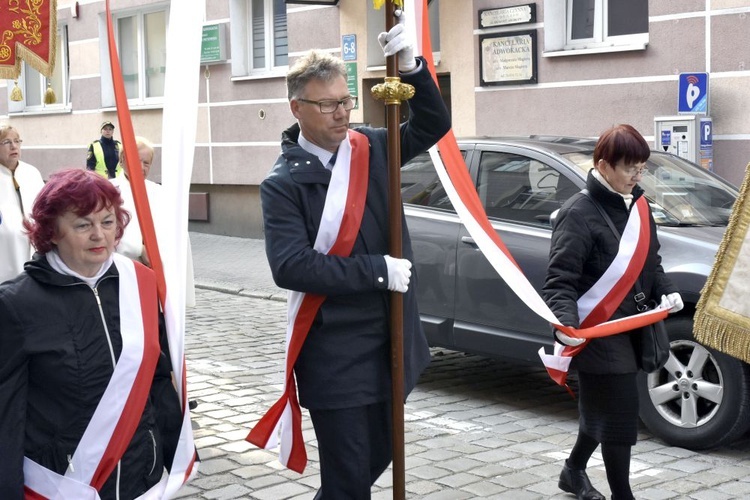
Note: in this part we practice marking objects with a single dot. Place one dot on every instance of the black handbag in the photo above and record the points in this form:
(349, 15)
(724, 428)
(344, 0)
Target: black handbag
(653, 346)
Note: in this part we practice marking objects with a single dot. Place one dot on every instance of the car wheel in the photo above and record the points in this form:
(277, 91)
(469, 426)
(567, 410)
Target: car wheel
(700, 399)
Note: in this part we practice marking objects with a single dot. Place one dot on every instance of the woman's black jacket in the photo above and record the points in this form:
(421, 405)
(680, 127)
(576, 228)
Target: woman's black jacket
(583, 247)
(55, 363)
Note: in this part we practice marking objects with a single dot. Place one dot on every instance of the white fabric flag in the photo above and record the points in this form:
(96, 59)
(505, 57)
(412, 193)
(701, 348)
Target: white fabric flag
(179, 125)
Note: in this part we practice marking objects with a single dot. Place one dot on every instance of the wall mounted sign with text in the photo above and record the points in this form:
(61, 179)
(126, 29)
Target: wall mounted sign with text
(213, 44)
(517, 14)
(349, 47)
(508, 58)
(351, 80)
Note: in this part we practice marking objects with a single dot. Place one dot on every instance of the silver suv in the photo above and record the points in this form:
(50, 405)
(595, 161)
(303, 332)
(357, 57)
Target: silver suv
(701, 398)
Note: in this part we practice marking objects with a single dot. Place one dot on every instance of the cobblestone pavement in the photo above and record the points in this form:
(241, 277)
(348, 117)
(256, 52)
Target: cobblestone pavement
(475, 427)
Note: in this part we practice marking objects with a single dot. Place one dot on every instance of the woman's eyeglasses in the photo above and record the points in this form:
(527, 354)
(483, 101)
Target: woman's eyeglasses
(635, 171)
(8, 142)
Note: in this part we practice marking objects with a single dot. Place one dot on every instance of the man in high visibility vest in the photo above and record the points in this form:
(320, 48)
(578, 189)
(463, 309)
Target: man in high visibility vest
(104, 153)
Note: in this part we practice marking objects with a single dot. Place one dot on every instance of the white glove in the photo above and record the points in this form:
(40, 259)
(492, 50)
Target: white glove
(398, 274)
(673, 302)
(567, 340)
(397, 41)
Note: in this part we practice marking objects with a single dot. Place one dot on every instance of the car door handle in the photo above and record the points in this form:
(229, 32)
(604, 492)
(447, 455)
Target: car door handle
(469, 241)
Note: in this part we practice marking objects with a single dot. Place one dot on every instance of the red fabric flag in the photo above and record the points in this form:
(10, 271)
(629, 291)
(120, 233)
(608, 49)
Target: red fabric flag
(28, 31)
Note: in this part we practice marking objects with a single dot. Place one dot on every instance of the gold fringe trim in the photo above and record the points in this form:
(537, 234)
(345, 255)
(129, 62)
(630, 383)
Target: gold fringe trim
(723, 336)
(713, 325)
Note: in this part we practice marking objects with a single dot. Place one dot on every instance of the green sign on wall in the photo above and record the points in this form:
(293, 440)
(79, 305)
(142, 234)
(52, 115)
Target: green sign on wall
(213, 46)
(351, 80)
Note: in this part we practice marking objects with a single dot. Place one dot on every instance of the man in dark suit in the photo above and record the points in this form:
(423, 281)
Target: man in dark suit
(343, 367)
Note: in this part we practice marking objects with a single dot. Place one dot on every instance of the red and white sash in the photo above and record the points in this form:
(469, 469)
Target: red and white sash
(339, 225)
(597, 305)
(119, 411)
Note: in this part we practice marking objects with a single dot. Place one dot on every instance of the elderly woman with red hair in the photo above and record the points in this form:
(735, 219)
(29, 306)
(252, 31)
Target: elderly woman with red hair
(87, 405)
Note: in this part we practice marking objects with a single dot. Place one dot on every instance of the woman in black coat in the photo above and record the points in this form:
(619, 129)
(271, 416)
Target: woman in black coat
(87, 404)
(583, 248)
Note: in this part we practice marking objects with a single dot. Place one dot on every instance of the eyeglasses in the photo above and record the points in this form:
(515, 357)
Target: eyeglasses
(8, 142)
(634, 171)
(328, 106)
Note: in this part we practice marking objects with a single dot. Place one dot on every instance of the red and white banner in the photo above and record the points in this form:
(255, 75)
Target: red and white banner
(178, 142)
(29, 32)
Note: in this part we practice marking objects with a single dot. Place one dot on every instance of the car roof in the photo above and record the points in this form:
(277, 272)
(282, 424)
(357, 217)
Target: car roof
(554, 143)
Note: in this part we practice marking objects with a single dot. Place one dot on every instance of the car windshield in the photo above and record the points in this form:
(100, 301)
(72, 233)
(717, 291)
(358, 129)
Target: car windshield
(679, 192)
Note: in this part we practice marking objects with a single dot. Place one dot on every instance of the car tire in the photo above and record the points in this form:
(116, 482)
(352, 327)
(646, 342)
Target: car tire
(696, 410)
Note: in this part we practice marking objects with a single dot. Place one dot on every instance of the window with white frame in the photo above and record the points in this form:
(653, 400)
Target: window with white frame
(598, 25)
(34, 86)
(142, 48)
(259, 37)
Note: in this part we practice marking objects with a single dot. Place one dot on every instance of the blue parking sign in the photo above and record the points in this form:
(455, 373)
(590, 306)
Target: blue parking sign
(707, 136)
(693, 94)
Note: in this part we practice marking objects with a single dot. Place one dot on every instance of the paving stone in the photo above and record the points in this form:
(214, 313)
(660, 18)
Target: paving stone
(475, 427)
(227, 492)
(281, 491)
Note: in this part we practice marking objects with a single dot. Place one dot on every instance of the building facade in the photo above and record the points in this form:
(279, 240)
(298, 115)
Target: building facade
(549, 67)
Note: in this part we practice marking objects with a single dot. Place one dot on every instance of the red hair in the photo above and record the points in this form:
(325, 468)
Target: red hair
(82, 192)
(621, 142)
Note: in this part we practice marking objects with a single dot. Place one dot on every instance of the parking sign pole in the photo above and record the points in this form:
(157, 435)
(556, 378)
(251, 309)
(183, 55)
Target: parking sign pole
(392, 92)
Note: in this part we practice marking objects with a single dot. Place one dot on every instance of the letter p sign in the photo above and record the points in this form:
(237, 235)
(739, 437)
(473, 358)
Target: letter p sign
(706, 130)
(693, 93)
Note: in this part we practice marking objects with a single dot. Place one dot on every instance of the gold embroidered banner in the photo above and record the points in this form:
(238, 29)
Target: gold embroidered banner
(722, 316)
(28, 31)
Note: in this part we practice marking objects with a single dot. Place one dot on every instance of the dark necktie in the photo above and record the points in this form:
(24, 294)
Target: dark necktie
(332, 161)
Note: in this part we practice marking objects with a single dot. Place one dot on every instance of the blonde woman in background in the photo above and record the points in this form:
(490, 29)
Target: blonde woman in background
(20, 184)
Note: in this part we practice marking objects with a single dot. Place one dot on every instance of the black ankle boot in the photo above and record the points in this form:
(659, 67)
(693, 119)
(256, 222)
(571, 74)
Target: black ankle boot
(577, 482)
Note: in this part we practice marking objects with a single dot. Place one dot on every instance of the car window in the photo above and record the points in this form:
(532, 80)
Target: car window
(420, 184)
(521, 189)
(680, 193)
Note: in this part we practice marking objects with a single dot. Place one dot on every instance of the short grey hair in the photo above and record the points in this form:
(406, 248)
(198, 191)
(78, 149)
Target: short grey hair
(314, 65)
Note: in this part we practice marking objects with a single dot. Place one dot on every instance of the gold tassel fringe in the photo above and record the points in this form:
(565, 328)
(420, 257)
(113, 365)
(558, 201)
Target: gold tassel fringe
(49, 95)
(16, 94)
(723, 336)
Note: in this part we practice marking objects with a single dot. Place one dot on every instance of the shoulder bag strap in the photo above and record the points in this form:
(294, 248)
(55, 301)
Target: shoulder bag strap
(603, 213)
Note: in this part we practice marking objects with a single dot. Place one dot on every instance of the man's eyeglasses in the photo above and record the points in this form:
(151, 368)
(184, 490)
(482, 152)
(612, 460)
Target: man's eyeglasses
(330, 105)
(8, 142)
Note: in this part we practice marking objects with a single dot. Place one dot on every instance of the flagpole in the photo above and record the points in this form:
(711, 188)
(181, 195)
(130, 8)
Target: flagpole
(392, 92)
